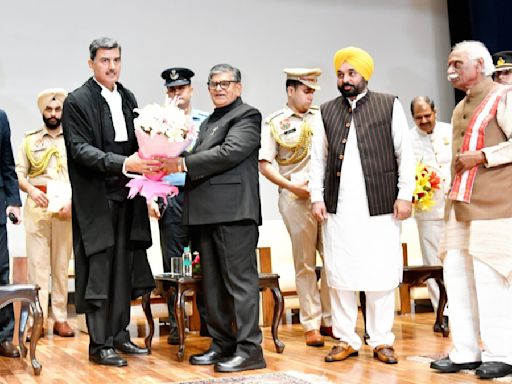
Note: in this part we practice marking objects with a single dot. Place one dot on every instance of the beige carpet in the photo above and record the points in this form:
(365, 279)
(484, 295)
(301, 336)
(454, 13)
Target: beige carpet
(289, 377)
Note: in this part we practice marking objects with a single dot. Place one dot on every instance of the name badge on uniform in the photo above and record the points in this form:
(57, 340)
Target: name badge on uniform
(289, 131)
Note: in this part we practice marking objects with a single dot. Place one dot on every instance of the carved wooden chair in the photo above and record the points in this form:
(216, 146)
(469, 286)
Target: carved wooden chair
(28, 295)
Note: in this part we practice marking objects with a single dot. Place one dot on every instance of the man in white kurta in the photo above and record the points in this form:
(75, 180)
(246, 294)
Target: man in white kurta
(477, 248)
(432, 143)
(362, 251)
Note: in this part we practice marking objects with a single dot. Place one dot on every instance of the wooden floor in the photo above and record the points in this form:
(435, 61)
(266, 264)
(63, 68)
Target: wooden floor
(65, 360)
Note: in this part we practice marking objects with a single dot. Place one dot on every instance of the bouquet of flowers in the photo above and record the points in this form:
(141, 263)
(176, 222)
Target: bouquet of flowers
(196, 264)
(161, 131)
(427, 182)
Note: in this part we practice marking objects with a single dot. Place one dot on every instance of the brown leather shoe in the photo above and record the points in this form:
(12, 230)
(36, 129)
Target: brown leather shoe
(8, 349)
(385, 353)
(327, 331)
(63, 329)
(314, 338)
(340, 352)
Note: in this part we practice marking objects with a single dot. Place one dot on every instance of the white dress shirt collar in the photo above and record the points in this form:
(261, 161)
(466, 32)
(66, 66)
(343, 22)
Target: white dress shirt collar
(115, 103)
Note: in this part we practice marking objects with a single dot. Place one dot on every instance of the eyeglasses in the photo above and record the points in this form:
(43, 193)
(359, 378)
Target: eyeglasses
(224, 84)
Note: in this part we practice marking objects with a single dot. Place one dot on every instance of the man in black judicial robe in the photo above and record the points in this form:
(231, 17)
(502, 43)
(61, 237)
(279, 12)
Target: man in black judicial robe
(110, 232)
(222, 207)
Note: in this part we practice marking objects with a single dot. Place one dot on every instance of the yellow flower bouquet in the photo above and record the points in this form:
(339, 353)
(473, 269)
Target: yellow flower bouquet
(427, 182)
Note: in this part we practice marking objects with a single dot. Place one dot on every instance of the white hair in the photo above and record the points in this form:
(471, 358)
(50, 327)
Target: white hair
(477, 50)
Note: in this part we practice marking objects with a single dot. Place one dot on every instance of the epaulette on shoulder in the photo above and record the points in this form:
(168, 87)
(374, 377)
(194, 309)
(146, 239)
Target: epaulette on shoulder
(33, 131)
(314, 108)
(273, 116)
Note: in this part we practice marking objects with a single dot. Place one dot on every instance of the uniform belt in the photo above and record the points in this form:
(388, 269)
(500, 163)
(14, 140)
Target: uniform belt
(41, 188)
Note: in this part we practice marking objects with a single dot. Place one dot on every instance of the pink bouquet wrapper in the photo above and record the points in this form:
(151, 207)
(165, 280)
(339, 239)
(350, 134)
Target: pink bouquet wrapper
(150, 147)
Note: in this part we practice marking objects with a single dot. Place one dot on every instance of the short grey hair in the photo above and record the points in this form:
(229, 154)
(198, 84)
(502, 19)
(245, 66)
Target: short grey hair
(477, 50)
(424, 99)
(222, 68)
(102, 43)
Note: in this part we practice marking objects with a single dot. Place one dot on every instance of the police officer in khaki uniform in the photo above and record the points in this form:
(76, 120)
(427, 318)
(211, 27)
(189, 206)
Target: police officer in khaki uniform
(286, 137)
(41, 160)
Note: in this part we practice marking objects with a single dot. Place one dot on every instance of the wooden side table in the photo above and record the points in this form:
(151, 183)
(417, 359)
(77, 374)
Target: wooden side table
(181, 285)
(417, 275)
(271, 281)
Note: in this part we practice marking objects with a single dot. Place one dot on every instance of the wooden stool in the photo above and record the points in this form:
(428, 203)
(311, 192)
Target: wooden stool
(165, 283)
(28, 294)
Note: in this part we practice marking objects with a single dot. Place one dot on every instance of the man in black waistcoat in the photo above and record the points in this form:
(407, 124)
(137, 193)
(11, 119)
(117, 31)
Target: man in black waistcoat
(110, 232)
(222, 207)
(362, 181)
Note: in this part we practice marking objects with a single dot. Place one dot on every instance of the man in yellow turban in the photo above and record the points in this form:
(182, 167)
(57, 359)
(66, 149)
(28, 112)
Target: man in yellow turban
(361, 188)
(41, 167)
(359, 59)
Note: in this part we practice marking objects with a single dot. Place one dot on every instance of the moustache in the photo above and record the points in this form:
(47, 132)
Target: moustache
(452, 76)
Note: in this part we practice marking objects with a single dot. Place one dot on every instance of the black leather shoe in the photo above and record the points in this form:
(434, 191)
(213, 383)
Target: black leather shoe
(445, 365)
(437, 327)
(207, 358)
(8, 349)
(238, 363)
(131, 348)
(493, 369)
(108, 356)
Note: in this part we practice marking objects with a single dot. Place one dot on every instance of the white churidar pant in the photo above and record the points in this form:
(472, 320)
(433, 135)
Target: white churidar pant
(480, 307)
(380, 314)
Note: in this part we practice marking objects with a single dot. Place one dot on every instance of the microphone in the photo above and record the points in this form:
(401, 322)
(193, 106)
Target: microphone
(13, 218)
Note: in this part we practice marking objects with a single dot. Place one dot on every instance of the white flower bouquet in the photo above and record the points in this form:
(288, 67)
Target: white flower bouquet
(161, 131)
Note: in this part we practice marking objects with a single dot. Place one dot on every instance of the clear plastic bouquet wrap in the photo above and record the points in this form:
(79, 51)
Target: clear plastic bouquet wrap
(161, 131)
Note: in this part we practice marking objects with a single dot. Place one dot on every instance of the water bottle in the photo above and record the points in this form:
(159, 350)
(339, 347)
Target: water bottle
(187, 262)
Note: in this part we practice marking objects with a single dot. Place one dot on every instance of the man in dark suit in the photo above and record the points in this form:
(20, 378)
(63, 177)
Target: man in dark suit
(222, 206)
(9, 202)
(110, 232)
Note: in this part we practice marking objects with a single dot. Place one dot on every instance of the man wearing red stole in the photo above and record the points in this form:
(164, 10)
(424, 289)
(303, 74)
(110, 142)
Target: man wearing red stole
(477, 249)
